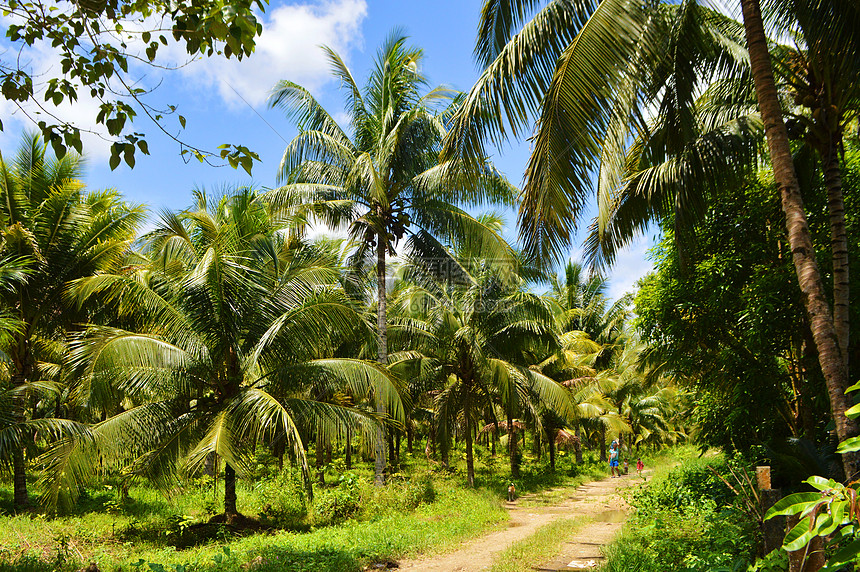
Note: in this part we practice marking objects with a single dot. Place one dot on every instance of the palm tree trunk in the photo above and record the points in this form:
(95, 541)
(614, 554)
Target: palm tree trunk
(551, 444)
(19, 467)
(512, 447)
(577, 447)
(603, 442)
(348, 450)
(431, 441)
(803, 254)
(229, 492)
(494, 437)
(470, 459)
(209, 463)
(409, 431)
(444, 449)
(382, 352)
(319, 459)
(838, 245)
(21, 499)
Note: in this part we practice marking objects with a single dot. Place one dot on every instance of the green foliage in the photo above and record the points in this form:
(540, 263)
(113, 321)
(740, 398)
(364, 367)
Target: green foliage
(239, 372)
(339, 503)
(691, 484)
(426, 511)
(726, 313)
(417, 491)
(287, 505)
(831, 512)
(92, 41)
(685, 520)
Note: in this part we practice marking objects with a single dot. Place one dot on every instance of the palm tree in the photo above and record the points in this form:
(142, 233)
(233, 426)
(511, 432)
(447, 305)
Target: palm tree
(577, 66)
(803, 254)
(61, 233)
(472, 342)
(583, 311)
(824, 79)
(385, 181)
(233, 328)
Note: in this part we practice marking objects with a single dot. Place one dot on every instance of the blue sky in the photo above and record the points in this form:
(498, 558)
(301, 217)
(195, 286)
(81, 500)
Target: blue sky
(224, 102)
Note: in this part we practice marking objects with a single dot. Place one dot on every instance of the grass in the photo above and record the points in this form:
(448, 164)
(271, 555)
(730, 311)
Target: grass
(542, 546)
(349, 525)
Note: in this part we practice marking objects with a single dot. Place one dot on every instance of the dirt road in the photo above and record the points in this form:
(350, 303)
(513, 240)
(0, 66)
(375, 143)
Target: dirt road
(599, 502)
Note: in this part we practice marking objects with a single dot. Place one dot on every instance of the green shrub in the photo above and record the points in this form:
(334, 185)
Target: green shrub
(417, 491)
(285, 502)
(685, 520)
(338, 504)
(690, 484)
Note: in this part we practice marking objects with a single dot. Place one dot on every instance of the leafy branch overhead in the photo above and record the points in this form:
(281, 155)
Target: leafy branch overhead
(104, 48)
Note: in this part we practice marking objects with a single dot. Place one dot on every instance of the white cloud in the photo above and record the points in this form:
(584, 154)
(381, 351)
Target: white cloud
(287, 49)
(631, 264)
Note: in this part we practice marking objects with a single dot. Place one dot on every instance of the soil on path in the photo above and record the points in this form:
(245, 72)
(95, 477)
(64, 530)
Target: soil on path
(598, 502)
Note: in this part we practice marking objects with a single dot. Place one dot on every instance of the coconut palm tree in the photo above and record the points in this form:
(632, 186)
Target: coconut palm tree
(233, 329)
(584, 313)
(673, 166)
(62, 233)
(473, 342)
(822, 74)
(384, 180)
(577, 67)
(821, 320)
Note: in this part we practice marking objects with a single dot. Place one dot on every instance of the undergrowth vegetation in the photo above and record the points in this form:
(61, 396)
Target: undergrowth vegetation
(347, 525)
(688, 520)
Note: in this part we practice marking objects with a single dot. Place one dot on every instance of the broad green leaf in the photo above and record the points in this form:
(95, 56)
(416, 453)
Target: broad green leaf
(794, 504)
(854, 411)
(822, 484)
(849, 445)
(799, 536)
(843, 556)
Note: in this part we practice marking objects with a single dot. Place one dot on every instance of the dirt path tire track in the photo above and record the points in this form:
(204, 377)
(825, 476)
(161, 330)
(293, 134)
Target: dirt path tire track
(598, 501)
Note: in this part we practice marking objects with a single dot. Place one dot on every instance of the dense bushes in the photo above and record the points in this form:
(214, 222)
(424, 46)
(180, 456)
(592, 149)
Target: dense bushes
(685, 520)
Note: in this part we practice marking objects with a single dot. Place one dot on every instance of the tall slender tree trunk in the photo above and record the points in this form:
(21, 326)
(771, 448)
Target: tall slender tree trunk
(382, 353)
(430, 449)
(577, 446)
(24, 363)
(230, 510)
(319, 458)
(445, 449)
(470, 459)
(348, 450)
(551, 444)
(803, 254)
(409, 431)
(838, 244)
(392, 451)
(602, 442)
(494, 437)
(19, 470)
(512, 447)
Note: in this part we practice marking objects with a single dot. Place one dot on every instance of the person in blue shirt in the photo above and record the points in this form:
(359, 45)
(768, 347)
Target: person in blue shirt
(613, 460)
